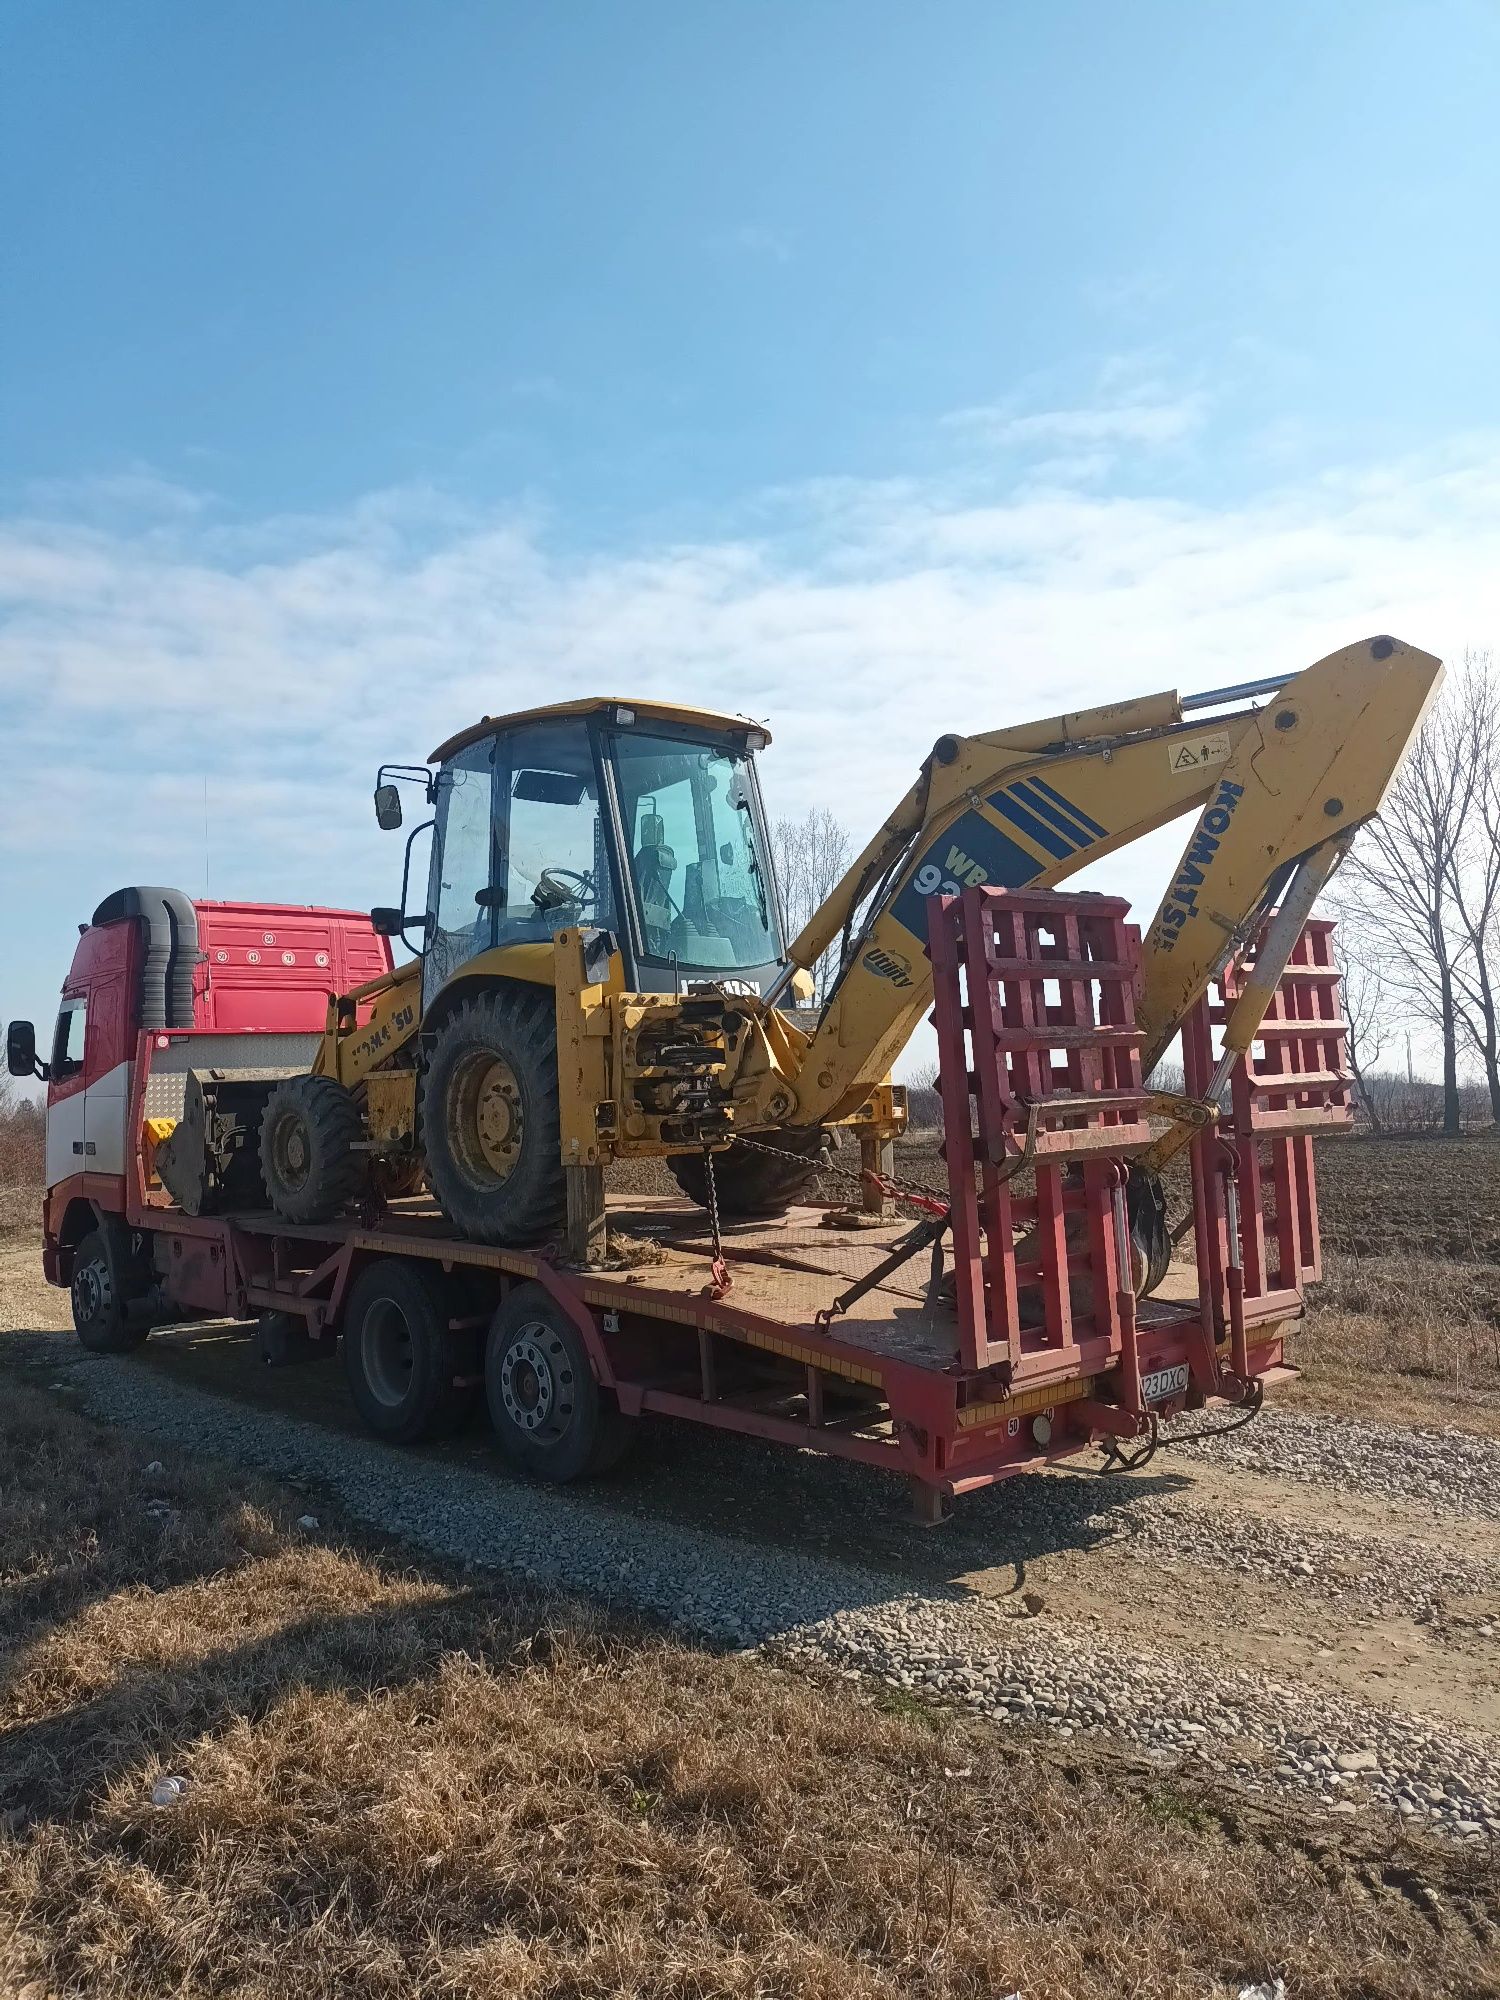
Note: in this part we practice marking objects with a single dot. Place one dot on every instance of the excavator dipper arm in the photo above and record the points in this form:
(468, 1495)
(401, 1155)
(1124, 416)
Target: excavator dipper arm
(1273, 786)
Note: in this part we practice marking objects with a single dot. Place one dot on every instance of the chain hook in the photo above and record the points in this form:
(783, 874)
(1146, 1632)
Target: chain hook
(719, 1278)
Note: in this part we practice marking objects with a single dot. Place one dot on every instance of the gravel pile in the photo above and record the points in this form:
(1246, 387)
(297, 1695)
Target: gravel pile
(1262, 1731)
(943, 1644)
(1388, 1575)
(1451, 1470)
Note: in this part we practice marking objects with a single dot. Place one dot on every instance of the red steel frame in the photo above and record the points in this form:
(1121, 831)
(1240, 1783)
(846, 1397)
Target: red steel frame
(1255, 1168)
(1029, 1079)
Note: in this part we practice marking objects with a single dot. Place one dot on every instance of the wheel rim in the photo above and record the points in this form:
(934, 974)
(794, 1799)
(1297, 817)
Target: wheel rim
(92, 1292)
(291, 1156)
(386, 1345)
(488, 1122)
(536, 1384)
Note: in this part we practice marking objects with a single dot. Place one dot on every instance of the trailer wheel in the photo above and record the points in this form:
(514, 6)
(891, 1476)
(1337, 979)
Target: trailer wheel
(751, 1184)
(100, 1308)
(551, 1417)
(401, 1359)
(308, 1133)
(490, 1117)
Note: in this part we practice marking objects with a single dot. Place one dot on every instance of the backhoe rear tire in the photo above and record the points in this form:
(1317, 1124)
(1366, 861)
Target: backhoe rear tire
(752, 1185)
(308, 1133)
(490, 1117)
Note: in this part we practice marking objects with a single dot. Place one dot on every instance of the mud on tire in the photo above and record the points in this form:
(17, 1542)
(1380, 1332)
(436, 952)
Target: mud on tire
(490, 1117)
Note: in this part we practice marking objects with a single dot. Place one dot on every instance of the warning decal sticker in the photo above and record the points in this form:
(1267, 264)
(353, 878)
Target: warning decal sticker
(1193, 753)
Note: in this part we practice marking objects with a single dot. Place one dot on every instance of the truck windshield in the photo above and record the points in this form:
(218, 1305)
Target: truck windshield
(698, 868)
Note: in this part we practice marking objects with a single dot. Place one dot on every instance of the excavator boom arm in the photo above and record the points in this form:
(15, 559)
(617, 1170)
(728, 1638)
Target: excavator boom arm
(1272, 786)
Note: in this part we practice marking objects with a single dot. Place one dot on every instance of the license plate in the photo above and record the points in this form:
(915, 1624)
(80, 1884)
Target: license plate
(1164, 1382)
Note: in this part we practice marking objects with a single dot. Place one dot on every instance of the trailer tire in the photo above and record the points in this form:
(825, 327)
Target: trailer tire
(490, 1119)
(552, 1419)
(101, 1315)
(751, 1184)
(308, 1133)
(400, 1357)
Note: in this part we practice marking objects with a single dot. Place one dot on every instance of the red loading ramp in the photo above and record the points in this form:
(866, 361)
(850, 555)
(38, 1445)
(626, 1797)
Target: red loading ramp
(1040, 1070)
(1254, 1173)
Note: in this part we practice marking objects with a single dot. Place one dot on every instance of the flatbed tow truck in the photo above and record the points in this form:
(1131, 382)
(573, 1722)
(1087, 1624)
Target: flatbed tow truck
(956, 1335)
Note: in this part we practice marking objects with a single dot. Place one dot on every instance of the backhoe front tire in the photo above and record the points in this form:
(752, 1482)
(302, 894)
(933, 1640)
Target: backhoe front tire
(750, 1184)
(490, 1117)
(308, 1133)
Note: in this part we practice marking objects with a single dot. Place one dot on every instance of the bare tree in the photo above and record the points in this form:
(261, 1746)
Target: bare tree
(811, 856)
(1474, 867)
(1366, 1011)
(1402, 874)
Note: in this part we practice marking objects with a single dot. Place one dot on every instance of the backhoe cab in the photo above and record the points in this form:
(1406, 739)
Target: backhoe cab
(584, 849)
(601, 972)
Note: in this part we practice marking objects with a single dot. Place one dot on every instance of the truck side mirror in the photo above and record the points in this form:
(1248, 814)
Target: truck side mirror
(20, 1049)
(387, 808)
(387, 921)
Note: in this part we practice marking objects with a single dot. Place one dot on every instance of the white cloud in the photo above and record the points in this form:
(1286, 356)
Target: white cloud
(283, 658)
(1150, 422)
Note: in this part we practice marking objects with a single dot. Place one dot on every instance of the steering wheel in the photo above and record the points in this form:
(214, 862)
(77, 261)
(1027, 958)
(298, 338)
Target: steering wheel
(565, 876)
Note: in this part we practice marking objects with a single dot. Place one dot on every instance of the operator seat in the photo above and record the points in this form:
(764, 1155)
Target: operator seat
(654, 868)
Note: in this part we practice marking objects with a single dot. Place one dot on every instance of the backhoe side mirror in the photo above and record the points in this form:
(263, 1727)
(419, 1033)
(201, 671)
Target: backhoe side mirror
(20, 1049)
(387, 808)
(386, 921)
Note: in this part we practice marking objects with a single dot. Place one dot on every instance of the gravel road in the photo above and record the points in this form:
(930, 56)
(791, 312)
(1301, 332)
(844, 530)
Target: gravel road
(1227, 1614)
(1447, 1470)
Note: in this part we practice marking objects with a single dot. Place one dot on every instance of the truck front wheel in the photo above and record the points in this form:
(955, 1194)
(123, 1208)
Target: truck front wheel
(100, 1310)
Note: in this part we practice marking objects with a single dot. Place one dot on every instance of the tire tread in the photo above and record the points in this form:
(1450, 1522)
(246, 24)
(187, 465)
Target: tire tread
(519, 1022)
(334, 1128)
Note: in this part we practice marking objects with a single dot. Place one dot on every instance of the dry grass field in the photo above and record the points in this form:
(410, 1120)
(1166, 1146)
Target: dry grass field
(1408, 1316)
(403, 1780)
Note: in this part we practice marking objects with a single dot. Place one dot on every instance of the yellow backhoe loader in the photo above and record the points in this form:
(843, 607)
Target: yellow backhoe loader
(600, 971)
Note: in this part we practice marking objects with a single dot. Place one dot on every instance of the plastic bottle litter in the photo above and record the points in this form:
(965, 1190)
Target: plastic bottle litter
(168, 1791)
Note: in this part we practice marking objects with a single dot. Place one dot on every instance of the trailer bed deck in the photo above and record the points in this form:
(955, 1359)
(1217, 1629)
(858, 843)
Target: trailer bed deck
(884, 1382)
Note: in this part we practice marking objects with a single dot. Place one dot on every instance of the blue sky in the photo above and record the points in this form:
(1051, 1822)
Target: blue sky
(874, 368)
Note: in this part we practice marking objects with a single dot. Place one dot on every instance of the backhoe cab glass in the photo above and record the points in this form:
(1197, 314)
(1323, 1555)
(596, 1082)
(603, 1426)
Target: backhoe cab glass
(519, 851)
(658, 839)
(695, 853)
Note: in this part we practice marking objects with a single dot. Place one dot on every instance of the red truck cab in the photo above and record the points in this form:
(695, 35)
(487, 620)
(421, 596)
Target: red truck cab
(226, 985)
